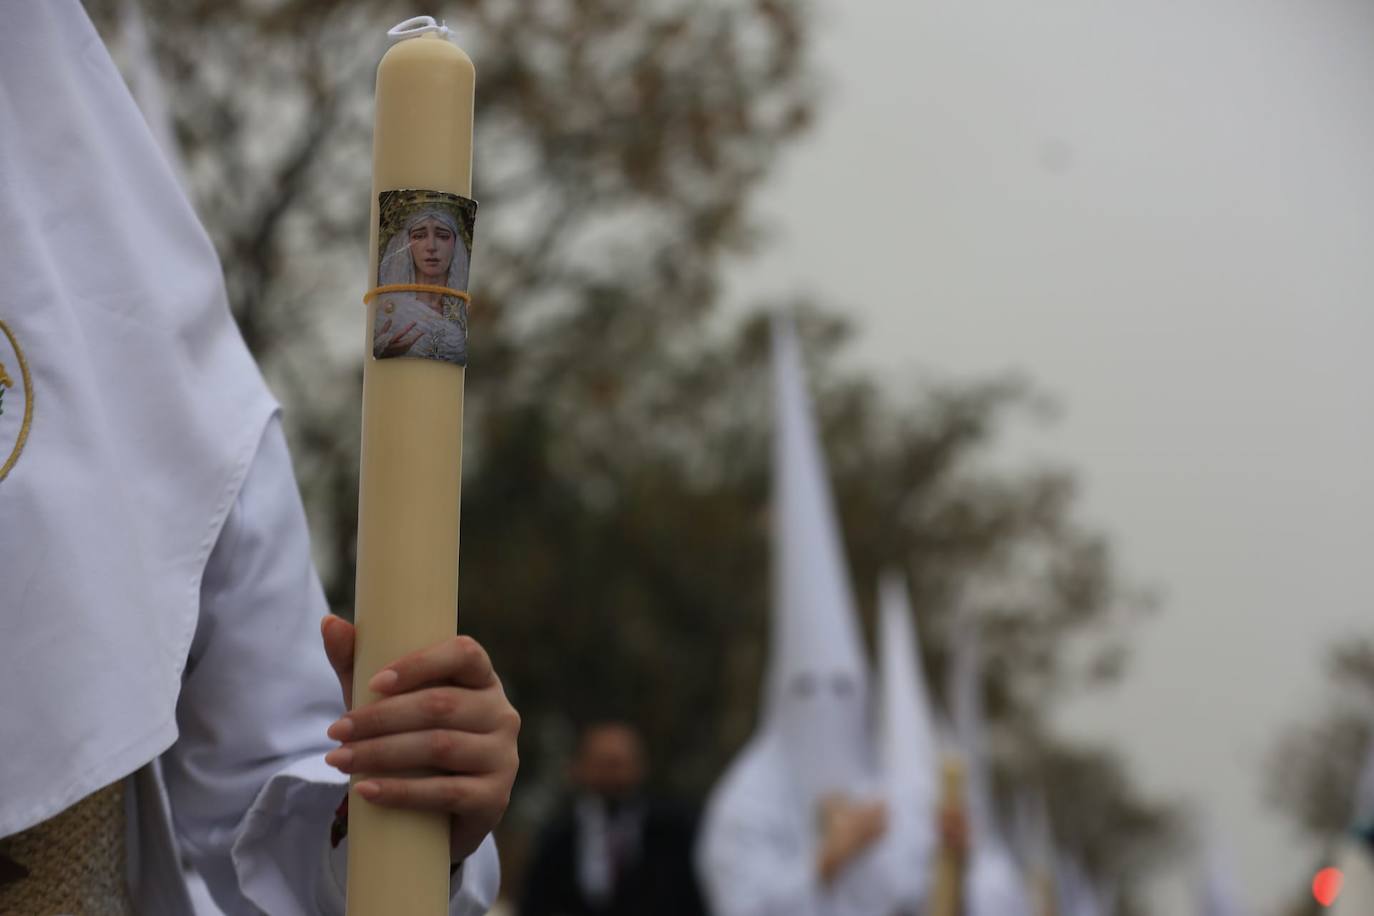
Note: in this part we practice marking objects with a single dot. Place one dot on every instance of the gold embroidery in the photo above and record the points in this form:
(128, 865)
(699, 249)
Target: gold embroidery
(28, 400)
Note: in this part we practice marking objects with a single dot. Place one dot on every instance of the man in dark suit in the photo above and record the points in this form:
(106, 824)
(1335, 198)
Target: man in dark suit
(613, 851)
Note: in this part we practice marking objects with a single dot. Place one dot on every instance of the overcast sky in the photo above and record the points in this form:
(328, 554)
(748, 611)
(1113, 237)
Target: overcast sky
(1164, 213)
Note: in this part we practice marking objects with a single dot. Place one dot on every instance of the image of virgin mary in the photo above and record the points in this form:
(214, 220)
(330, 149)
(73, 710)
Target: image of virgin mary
(429, 249)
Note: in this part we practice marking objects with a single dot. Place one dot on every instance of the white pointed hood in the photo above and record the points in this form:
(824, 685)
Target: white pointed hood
(1355, 852)
(1220, 894)
(756, 848)
(994, 884)
(1363, 815)
(1030, 833)
(138, 408)
(1032, 843)
(966, 710)
(1077, 894)
(908, 757)
(1355, 860)
(816, 691)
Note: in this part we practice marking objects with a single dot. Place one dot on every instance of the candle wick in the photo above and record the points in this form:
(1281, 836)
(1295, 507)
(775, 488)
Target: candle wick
(416, 26)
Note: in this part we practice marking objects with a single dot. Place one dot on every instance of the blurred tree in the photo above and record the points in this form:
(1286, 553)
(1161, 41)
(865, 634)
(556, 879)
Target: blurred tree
(616, 486)
(1315, 767)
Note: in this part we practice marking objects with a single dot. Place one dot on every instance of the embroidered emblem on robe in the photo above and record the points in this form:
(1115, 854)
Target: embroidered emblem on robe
(16, 400)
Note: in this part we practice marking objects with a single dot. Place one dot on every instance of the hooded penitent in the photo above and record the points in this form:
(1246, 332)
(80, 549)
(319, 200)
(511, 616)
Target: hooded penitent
(816, 692)
(757, 852)
(1032, 843)
(1077, 894)
(131, 414)
(994, 884)
(1355, 854)
(1220, 895)
(906, 744)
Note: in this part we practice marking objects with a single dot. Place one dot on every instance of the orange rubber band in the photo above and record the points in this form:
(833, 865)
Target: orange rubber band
(414, 288)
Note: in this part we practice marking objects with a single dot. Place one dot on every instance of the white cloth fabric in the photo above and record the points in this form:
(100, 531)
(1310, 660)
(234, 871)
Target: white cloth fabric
(758, 843)
(1048, 872)
(146, 412)
(758, 855)
(966, 708)
(1354, 857)
(1356, 864)
(1077, 894)
(908, 757)
(994, 884)
(1363, 814)
(158, 609)
(244, 795)
(1219, 894)
(816, 693)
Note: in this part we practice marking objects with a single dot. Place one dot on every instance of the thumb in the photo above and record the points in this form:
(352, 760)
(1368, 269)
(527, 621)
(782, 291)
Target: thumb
(338, 635)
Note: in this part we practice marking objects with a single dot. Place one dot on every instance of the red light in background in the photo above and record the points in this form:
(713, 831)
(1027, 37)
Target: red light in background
(1326, 886)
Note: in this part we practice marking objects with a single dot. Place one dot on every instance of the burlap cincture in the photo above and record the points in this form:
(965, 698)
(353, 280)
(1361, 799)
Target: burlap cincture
(72, 863)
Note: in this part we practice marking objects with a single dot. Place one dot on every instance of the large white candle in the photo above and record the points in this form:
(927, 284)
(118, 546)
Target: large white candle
(412, 448)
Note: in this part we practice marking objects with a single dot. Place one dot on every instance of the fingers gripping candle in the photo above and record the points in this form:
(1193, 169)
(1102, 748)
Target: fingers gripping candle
(412, 445)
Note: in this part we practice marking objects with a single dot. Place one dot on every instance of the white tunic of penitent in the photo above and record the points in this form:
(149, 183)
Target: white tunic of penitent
(1355, 853)
(993, 883)
(758, 848)
(160, 613)
(906, 747)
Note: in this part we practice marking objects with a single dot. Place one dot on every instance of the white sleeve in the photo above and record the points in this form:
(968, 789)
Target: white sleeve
(252, 799)
(867, 885)
(748, 870)
(752, 869)
(753, 855)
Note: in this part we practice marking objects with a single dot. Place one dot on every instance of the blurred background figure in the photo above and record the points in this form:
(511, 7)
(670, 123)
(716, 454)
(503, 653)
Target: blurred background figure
(1355, 851)
(1220, 895)
(908, 756)
(793, 824)
(993, 884)
(1076, 894)
(614, 850)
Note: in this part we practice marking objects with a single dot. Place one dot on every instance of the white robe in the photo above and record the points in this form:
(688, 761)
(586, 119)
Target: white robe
(1356, 897)
(906, 744)
(159, 615)
(757, 855)
(994, 886)
(758, 844)
(244, 795)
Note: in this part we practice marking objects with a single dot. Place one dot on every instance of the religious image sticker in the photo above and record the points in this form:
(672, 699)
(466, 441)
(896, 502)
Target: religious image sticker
(424, 239)
(16, 400)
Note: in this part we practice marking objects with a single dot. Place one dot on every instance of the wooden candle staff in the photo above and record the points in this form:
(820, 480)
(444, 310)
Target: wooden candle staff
(947, 888)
